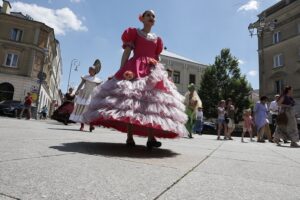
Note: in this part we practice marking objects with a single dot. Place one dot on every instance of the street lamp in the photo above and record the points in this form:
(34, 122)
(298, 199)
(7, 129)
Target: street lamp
(261, 26)
(41, 78)
(74, 63)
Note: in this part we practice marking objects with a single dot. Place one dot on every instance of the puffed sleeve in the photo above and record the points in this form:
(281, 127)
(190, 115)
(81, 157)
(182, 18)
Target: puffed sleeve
(128, 38)
(159, 46)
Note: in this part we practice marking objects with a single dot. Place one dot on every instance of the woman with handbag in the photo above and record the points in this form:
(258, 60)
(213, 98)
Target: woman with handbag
(261, 120)
(286, 128)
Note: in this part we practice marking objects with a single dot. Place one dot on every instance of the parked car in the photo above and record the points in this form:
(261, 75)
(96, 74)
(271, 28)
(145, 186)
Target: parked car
(209, 128)
(10, 108)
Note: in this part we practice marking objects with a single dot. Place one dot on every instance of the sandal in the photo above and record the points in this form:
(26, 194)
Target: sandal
(153, 143)
(92, 128)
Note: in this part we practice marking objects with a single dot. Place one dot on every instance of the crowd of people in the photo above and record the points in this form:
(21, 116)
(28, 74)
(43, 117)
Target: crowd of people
(283, 125)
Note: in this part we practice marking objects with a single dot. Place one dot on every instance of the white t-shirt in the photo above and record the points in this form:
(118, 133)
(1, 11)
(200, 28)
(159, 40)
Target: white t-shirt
(199, 115)
(274, 108)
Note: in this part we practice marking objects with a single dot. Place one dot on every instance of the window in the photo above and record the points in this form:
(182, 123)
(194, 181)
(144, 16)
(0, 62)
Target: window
(11, 60)
(192, 78)
(279, 85)
(16, 34)
(176, 77)
(276, 37)
(278, 60)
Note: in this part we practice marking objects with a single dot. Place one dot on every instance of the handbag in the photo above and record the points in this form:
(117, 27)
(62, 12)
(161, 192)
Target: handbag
(282, 119)
(226, 118)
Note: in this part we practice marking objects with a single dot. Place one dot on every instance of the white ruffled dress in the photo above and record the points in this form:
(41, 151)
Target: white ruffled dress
(83, 99)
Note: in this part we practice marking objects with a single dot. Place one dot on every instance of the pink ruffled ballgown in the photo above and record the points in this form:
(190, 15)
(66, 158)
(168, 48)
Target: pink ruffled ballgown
(146, 99)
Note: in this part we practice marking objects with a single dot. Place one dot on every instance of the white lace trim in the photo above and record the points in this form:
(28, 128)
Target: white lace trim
(147, 36)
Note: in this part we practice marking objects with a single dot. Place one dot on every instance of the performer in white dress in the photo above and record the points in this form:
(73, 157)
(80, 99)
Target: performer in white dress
(84, 93)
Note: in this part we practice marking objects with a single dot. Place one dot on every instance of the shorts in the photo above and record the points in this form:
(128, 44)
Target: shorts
(245, 129)
(221, 121)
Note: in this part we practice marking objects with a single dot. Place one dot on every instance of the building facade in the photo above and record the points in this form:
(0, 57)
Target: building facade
(185, 71)
(30, 59)
(278, 30)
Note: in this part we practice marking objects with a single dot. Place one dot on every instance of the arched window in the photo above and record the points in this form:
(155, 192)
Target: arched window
(6, 91)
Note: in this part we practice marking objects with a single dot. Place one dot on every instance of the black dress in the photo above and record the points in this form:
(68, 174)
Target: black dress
(63, 112)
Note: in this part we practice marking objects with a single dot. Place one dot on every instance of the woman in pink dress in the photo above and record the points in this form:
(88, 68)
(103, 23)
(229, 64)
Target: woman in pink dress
(140, 99)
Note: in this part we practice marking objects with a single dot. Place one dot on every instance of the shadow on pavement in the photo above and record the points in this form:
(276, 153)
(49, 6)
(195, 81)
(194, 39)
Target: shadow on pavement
(67, 129)
(114, 150)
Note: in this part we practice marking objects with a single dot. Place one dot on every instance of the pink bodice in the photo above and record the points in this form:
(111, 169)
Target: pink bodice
(144, 49)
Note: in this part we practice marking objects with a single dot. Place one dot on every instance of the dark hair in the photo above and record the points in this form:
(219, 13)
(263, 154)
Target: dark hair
(263, 98)
(286, 90)
(227, 100)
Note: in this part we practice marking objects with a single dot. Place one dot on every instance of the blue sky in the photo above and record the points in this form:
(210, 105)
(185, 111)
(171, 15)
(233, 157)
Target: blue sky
(196, 29)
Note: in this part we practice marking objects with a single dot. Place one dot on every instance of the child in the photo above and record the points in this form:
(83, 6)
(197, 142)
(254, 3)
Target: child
(44, 112)
(247, 125)
(199, 121)
(140, 99)
(84, 94)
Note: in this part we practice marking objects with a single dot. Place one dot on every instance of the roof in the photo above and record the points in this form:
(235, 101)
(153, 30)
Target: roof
(173, 55)
(276, 7)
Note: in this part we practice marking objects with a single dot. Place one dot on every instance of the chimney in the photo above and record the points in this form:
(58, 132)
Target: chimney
(6, 7)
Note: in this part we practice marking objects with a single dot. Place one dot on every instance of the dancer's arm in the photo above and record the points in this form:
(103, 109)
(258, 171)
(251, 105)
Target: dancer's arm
(80, 86)
(125, 56)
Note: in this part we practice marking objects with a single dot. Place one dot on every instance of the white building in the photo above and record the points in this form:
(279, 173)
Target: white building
(186, 71)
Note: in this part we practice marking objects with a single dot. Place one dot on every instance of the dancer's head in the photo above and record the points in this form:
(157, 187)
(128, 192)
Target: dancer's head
(147, 18)
(288, 90)
(95, 69)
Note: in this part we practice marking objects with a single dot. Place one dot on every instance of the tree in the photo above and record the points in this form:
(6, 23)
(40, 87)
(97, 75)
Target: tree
(223, 80)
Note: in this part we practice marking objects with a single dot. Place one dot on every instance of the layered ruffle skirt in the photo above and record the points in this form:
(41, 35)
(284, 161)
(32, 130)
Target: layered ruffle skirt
(62, 114)
(144, 105)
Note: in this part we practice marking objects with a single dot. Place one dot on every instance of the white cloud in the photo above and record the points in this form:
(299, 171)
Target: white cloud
(61, 20)
(252, 73)
(241, 62)
(251, 5)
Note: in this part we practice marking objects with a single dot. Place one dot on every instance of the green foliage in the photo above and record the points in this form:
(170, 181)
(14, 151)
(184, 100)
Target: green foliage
(223, 80)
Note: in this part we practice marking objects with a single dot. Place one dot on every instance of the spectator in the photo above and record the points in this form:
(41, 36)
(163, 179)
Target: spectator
(221, 119)
(199, 121)
(27, 106)
(287, 129)
(44, 112)
(261, 119)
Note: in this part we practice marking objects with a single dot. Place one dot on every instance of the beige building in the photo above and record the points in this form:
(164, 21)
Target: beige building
(28, 52)
(186, 71)
(278, 30)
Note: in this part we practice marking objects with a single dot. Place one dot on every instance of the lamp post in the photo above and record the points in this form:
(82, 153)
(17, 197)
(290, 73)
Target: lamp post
(41, 78)
(74, 63)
